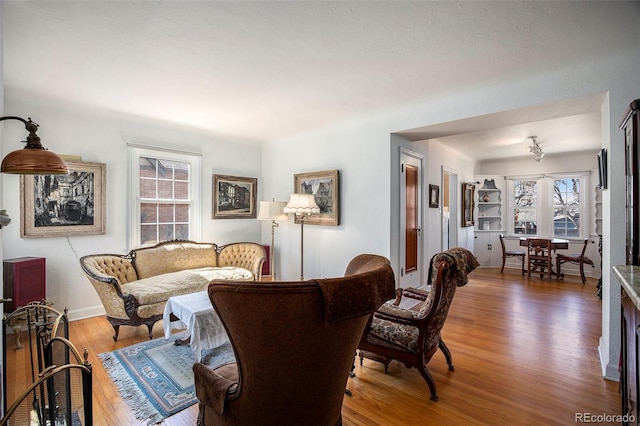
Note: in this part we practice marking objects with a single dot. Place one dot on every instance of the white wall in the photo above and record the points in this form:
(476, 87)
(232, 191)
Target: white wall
(99, 136)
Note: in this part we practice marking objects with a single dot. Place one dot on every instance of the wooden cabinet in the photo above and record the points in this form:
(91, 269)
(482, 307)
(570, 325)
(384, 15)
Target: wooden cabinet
(24, 281)
(629, 380)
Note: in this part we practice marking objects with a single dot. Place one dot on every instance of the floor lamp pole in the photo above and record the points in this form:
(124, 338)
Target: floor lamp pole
(272, 268)
(301, 247)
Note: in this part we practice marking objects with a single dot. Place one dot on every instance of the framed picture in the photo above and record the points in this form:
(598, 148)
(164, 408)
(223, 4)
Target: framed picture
(468, 204)
(325, 188)
(64, 205)
(234, 197)
(434, 196)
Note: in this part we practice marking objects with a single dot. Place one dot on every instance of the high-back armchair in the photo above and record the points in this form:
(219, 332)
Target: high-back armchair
(412, 336)
(294, 344)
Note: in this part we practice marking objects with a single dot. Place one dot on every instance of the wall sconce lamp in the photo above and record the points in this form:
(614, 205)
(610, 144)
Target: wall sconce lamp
(302, 206)
(272, 210)
(34, 159)
(4, 218)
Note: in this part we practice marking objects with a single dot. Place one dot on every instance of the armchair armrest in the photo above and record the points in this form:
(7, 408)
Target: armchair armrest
(212, 389)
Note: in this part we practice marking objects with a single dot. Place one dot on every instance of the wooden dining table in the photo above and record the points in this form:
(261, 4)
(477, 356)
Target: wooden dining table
(556, 244)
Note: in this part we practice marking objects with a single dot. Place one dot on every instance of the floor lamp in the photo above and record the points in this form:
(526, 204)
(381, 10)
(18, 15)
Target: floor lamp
(302, 206)
(272, 210)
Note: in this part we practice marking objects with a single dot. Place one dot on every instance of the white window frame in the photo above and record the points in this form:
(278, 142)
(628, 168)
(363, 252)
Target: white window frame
(195, 188)
(545, 204)
(512, 205)
(585, 216)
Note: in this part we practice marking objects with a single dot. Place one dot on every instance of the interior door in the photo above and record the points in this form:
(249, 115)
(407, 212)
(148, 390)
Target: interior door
(411, 219)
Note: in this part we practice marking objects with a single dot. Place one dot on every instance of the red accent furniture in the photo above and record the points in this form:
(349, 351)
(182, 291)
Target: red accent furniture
(24, 281)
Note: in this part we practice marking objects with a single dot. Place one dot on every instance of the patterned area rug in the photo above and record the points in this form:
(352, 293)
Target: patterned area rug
(155, 377)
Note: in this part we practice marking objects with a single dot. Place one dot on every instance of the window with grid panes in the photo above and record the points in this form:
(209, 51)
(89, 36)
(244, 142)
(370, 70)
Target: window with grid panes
(166, 197)
(567, 206)
(525, 200)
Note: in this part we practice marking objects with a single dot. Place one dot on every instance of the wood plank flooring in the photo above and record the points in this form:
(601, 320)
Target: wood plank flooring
(524, 351)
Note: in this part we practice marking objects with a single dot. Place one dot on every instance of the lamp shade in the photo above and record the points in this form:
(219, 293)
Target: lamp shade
(33, 159)
(272, 210)
(30, 161)
(302, 205)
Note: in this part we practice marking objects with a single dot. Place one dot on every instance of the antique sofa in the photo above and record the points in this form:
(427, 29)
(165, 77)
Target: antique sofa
(135, 287)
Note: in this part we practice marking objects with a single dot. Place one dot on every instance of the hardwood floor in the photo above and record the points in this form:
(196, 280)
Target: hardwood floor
(524, 351)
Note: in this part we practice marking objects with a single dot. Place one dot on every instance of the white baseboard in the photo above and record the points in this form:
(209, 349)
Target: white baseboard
(78, 314)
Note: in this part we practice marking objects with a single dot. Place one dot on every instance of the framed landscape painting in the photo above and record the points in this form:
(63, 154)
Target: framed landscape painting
(325, 188)
(64, 205)
(234, 197)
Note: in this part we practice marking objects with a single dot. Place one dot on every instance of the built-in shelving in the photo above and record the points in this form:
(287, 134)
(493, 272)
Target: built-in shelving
(489, 203)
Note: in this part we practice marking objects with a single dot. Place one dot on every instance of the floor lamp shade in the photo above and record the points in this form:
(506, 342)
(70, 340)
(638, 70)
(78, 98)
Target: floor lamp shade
(272, 210)
(302, 205)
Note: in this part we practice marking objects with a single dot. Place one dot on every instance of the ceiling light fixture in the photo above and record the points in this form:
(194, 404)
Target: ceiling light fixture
(535, 149)
(34, 159)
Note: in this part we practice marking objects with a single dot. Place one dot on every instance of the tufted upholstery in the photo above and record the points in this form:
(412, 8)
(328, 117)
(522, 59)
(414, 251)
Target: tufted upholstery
(243, 255)
(171, 257)
(134, 288)
(412, 336)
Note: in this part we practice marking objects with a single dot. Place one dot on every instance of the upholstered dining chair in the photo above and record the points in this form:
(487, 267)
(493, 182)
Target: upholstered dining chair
(576, 258)
(412, 336)
(539, 259)
(520, 254)
(294, 344)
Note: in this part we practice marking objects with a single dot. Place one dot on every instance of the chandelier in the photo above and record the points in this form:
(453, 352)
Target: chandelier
(535, 149)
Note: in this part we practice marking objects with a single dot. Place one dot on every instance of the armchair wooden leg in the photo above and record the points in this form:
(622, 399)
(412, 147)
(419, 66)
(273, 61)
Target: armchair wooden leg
(447, 354)
(429, 379)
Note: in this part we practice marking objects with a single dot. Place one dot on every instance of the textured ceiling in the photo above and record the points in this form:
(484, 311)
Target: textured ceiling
(270, 70)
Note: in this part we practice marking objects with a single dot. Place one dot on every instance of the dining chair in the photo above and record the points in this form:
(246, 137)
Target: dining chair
(539, 257)
(576, 258)
(520, 254)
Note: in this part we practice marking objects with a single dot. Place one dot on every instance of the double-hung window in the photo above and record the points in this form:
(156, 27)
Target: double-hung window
(165, 196)
(567, 206)
(550, 205)
(525, 207)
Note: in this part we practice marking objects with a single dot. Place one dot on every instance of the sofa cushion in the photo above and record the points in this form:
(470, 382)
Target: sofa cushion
(173, 257)
(159, 288)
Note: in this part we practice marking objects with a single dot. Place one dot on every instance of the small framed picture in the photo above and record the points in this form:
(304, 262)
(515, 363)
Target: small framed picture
(434, 196)
(64, 205)
(234, 197)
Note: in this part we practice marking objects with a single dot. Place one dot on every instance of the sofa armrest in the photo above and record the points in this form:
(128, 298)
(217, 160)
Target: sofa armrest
(107, 272)
(249, 256)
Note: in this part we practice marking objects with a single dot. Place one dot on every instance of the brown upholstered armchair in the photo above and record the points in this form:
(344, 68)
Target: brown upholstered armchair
(412, 336)
(294, 344)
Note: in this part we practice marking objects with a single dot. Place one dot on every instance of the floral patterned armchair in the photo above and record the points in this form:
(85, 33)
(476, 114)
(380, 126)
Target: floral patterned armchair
(412, 336)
